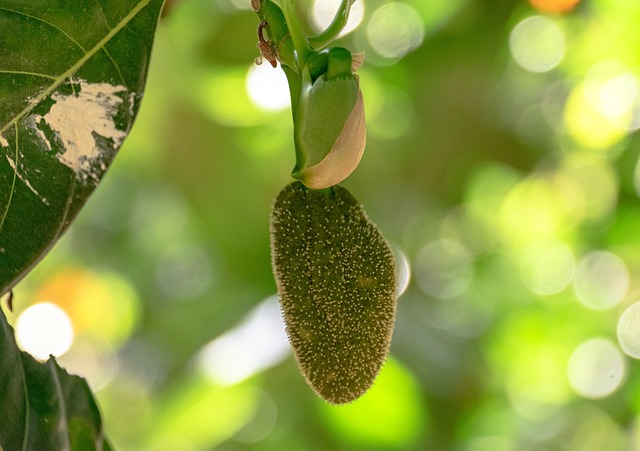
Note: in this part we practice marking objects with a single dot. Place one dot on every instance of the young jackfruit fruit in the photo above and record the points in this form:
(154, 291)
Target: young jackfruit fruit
(336, 280)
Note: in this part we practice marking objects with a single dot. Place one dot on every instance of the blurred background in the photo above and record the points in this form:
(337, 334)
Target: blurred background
(501, 163)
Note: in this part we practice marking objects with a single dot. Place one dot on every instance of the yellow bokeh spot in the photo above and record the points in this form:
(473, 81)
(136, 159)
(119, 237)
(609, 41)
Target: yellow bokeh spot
(536, 380)
(100, 304)
(586, 186)
(487, 187)
(597, 124)
(554, 6)
(547, 267)
(201, 416)
(530, 354)
(223, 97)
(531, 211)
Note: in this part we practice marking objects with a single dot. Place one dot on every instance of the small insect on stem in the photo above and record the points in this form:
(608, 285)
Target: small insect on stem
(267, 49)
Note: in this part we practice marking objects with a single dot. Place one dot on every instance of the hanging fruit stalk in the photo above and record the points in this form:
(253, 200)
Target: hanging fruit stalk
(334, 271)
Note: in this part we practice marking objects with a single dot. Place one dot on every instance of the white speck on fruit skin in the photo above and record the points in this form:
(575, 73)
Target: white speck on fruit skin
(3, 142)
(78, 120)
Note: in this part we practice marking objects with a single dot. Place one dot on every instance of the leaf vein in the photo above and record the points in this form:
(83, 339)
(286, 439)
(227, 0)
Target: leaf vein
(33, 74)
(104, 17)
(13, 182)
(39, 19)
(115, 64)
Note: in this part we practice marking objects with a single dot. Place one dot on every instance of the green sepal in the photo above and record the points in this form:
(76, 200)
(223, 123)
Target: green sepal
(317, 63)
(339, 62)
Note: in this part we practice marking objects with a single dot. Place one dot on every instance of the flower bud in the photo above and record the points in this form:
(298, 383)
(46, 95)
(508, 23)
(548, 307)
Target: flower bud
(330, 129)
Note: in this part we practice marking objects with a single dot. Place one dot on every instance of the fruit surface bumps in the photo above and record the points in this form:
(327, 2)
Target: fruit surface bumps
(336, 280)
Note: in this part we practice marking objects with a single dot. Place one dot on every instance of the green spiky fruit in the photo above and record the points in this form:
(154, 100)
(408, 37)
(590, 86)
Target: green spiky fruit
(336, 280)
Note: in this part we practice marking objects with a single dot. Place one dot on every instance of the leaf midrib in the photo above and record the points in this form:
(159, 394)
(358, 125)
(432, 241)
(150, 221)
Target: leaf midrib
(60, 79)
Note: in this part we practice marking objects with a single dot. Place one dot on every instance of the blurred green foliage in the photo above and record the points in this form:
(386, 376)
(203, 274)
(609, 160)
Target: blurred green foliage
(501, 160)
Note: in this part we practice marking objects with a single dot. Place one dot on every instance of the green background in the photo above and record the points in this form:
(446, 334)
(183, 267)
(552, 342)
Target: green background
(513, 195)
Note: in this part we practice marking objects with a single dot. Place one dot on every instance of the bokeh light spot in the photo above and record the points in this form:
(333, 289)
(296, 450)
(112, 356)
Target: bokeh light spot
(44, 329)
(92, 357)
(636, 178)
(223, 97)
(267, 87)
(596, 368)
(537, 44)
(531, 211)
(470, 227)
(554, 6)
(323, 11)
(390, 111)
(257, 343)
(611, 91)
(618, 95)
(588, 116)
(597, 430)
(443, 269)
(201, 416)
(587, 187)
(629, 331)
(601, 280)
(403, 271)
(531, 356)
(263, 422)
(394, 30)
(547, 267)
(487, 187)
(104, 305)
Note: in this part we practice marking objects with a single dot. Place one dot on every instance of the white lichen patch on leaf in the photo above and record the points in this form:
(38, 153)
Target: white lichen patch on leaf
(32, 123)
(78, 121)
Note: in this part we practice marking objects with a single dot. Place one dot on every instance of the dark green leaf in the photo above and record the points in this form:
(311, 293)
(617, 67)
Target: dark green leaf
(41, 405)
(72, 75)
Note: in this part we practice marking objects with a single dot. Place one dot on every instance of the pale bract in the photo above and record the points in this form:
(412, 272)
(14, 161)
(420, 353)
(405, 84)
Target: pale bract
(345, 154)
(330, 127)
